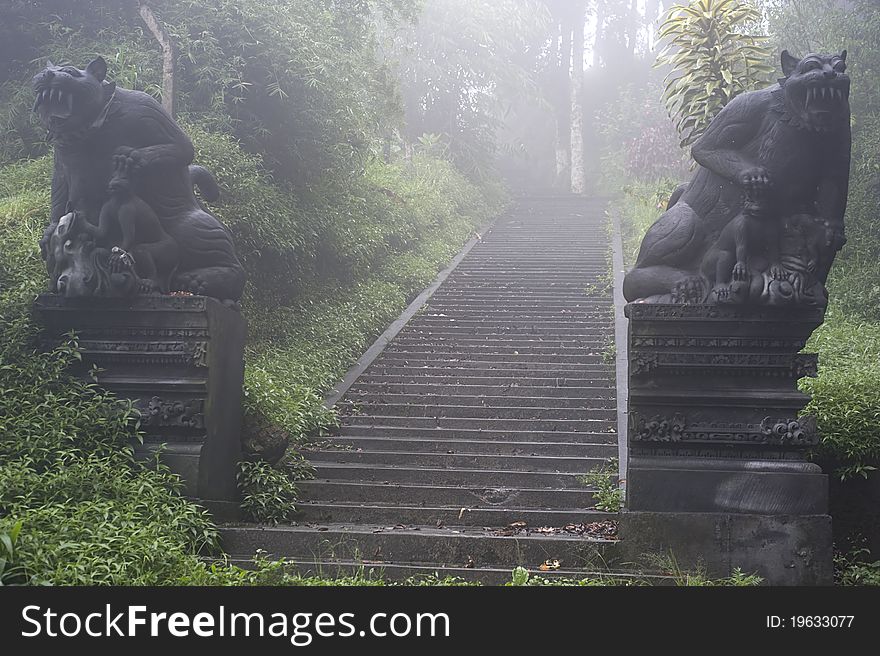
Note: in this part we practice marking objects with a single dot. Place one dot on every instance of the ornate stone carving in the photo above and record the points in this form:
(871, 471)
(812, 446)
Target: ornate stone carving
(164, 412)
(124, 219)
(771, 431)
(798, 365)
(762, 219)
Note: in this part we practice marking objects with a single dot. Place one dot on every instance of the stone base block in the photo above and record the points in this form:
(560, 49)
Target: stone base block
(180, 360)
(782, 549)
(708, 485)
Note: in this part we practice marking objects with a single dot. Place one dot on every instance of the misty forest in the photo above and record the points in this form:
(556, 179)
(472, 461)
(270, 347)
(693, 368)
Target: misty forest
(358, 147)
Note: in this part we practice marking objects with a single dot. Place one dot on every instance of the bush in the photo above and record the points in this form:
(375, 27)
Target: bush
(846, 394)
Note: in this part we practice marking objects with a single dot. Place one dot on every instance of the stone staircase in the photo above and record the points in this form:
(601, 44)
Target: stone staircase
(462, 444)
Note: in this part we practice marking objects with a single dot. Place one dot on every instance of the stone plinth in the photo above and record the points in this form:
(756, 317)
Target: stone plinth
(180, 359)
(714, 430)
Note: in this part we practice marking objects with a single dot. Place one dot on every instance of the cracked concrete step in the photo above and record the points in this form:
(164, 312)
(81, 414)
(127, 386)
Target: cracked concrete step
(511, 411)
(536, 425)
(478, 496)
(417, 444)
(526, 462)
(514, 435)
(375, 513)
(333, 471)
(443, 546)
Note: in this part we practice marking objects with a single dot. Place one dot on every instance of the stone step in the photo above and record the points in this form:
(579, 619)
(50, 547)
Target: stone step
(397, 354)
(493, 576)
(311, 512)
(406, 375)
(479, 367)
(362, 400)
(526, 462)
(453, 546)
(332, 471)
(435, 433)
(528, 425)
(422, 322)
(510, 411)
(468, 344)
(427, 444)
(503, 333)
(519, 392)
(518, 496)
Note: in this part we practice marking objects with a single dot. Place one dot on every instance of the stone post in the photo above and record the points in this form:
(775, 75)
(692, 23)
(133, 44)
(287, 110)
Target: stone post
(717, 447)
(180, 359)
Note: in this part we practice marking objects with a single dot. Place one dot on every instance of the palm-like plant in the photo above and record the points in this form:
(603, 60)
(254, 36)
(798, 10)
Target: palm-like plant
(712, 59)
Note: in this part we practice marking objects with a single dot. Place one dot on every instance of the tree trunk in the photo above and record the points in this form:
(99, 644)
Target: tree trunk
(578, 172)
(169, 54)
(563, 111)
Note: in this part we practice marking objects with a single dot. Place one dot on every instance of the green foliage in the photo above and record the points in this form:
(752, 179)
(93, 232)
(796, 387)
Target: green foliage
(608, 495)
(11, 572)
(81, 509)
(668, 564)
(712, 60)
(846, 394)
(856, 568)
(268, 495)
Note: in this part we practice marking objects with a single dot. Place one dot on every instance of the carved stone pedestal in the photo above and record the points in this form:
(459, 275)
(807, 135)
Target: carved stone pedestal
(715, 439)
(180, 358)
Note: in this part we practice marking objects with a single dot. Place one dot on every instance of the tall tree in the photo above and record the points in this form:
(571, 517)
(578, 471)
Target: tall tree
(578, 171)
(169, 56)
(563, 109)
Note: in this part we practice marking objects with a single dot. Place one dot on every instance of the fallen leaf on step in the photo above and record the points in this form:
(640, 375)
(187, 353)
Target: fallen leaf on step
(462, 512)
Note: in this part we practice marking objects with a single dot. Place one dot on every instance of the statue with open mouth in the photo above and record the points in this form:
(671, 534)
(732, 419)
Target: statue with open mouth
(124, 218)
(762, 218)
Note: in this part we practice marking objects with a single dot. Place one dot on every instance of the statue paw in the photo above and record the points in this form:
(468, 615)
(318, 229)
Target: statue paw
(735, 293)
(120, 260)
(194, 285)
(689, 292)
(777, 272)
(835, 239)
(147, 286)
(128, 160)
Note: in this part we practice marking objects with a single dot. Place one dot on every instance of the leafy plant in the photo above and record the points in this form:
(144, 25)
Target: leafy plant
(11, 572)
(712, 60)
(608, 495)
(857, 568)
(268, 494)
(697, 577)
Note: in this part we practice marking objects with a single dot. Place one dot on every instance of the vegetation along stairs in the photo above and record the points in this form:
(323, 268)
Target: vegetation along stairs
(463, 444)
